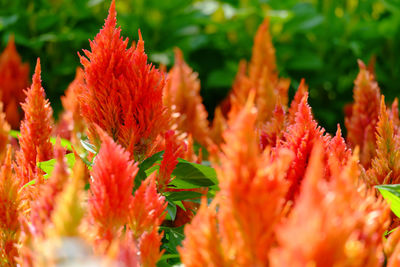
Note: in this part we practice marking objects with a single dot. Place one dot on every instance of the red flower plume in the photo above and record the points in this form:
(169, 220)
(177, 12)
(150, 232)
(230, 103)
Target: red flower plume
(334, 223)
(122, 93)
(13, 80)
(111, 187)
(42, 208)
(36, 129)
(146, 210)
(385, 166)
(362, 122)
(10, 210)
(300, 138)
(182, 96)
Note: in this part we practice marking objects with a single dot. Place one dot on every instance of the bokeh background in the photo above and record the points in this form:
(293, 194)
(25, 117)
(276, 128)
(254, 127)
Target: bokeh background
(319, 40)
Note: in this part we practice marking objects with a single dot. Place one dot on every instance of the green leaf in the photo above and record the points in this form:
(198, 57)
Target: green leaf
(173, 237)
(48, 166)
(171, 211)
(182, 195)
(392, 195)
(88, 147)
(192, 175)
(166, 258)
(144, 166)
(64, 142)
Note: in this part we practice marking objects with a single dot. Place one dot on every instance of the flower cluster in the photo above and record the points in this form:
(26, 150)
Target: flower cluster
(133, 174)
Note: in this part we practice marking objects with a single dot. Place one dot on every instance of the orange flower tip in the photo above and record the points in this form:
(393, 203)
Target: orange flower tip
(101, 133)
(383, 105)
(36, 76)
(338, 131)
(361, 64)
(11, 41)
(178, 55)
(111, 20)
(140, 43)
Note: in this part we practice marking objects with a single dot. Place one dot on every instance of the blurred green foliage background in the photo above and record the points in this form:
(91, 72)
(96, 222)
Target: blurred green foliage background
(319, 40)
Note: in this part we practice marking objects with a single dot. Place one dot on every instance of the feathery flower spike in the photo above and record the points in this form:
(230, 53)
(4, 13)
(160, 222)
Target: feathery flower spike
(385, 166)
(182, 96)
(300, 138)
(36, 129)
(362, 122)
(4, 133)
(350, 220)
(147, 208)
(13, 80)
(111, 188)
(43, 207)
(10, 210)
(252, 191)
(122, 92)
(202, 244)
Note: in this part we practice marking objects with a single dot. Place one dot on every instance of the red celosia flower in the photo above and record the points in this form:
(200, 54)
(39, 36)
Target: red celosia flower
(4, 133)
(338, 153)
(252, 191)
(202, 244)
(272, 132)
(300, 138)
(219, 125)
(173, 150)
(385, 166)
(149, 246)
(260, 76)
(270, 89)
(13, 80)
(68, 211)
(111, 187)
(362, 122)
(35, 130)
(294, 105)
(241, 87)
(250, 201)
(124, 252)
(333, 223)
(182, 96)
(122, 93)
(10, 209)
(42, 208)
(71, 122)
(147, 208)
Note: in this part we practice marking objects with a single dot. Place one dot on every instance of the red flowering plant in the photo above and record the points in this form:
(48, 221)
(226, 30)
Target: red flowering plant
(120, 177)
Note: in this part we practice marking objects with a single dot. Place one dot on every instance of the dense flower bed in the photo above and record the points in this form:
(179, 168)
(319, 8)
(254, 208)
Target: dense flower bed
(133, 174)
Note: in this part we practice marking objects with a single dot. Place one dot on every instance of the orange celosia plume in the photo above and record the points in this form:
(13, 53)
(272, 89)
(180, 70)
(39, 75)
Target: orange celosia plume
(250, 201)
(300, 138)
(122, 93)
(334, 223)
(36, 129)
(182, 96)
(13, 80)
(294, 105)
(361, 123)
(271, 90)
(111, 188)
(385, 166)
(173, 150)
(71, 122)
(10, 209)
(42, 207)
(147, 208)
(4, 133)
(202, 244)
